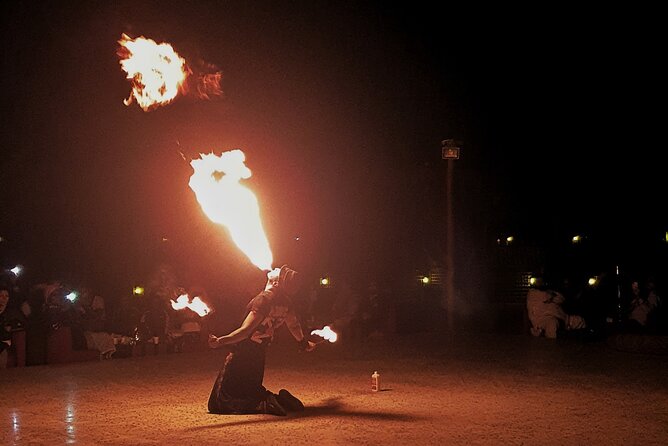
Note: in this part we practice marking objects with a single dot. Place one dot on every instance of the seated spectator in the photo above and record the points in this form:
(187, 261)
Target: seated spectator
(93, 320)
(62, 312)
(654, 318)
(642, 307)
(546, 314)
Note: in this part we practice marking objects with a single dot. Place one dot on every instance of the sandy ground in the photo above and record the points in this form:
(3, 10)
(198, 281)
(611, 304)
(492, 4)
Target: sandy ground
(467, 389)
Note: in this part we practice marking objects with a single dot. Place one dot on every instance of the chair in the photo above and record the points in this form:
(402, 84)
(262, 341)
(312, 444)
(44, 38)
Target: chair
(59, 348)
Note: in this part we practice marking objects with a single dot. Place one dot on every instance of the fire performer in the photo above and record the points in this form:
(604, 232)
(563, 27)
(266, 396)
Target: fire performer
(238, 388)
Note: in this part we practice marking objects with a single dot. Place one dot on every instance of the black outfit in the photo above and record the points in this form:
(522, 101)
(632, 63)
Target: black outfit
(238, 387)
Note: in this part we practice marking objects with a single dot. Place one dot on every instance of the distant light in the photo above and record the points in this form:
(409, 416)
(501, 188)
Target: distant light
(666, 237)
(137, 291)
(577, 239)
(532, 280)
(72, 296)
(324, 281)
(18, 269)
(165, 239)
(505, 241)
(297, 238)
(425, 280)
(592, 281)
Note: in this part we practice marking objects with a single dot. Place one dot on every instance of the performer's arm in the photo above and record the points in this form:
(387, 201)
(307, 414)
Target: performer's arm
(296, 330)
(253, 319)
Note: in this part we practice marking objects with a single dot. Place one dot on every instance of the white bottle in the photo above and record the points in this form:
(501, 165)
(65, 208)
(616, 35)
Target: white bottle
(375, 382)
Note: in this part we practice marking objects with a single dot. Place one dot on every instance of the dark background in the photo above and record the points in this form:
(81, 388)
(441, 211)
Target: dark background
(340, 107)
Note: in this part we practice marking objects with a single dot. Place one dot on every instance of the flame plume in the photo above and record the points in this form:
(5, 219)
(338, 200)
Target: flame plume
(227, 202)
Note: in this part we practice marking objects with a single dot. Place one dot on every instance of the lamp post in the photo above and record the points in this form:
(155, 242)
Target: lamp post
(450, 153)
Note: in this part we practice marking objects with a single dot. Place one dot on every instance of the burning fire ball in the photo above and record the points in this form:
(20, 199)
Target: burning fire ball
(197, 305)
(326, 333)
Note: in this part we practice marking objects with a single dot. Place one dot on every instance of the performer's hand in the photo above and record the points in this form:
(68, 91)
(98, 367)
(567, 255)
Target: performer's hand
(213, 341)
(306, 345)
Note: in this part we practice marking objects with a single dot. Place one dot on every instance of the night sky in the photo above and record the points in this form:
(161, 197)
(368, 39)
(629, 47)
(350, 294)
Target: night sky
(340, 107)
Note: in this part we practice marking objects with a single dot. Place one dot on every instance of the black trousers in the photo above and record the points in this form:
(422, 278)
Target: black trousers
(238, 387)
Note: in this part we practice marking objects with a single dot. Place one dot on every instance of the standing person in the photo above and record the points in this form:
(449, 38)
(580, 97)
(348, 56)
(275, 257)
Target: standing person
(93, 321)
(238, 388)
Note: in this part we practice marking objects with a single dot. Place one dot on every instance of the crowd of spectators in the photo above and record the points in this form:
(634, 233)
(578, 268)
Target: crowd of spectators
(143, 319)
(606, 305)
(146, 322)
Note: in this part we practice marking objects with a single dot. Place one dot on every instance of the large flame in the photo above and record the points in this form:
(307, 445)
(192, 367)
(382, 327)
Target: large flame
(225, 201)
(156, 71)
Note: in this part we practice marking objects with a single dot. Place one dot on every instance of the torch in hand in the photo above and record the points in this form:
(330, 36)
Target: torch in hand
(324, 334)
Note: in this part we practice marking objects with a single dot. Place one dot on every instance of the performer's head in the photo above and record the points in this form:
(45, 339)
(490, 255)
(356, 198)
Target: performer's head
(289, 280)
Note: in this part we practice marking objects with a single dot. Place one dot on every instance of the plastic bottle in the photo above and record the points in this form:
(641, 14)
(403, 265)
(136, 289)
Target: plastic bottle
(375, 382)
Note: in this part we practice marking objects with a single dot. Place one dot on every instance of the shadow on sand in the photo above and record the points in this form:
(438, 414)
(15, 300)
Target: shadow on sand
(331, 407)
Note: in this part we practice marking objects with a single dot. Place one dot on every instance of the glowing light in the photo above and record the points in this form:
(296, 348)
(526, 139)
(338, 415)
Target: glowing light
(425, 280)
(324, 281)
(156, 71)
(225, 201)
(505, 241)
(576, 239)
(592, 281)
(17, 270)
(532, 280)
(72, 296)
(138, 291)
(326, 333)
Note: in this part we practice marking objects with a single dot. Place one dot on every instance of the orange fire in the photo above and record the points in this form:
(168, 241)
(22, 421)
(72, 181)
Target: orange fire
(156, 71)
(197, 305)
(225, 201)
(209, 85)
(326, 333)
(158, 74)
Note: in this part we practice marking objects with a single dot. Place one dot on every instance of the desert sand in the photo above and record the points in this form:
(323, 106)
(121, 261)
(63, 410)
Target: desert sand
(436, 389)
